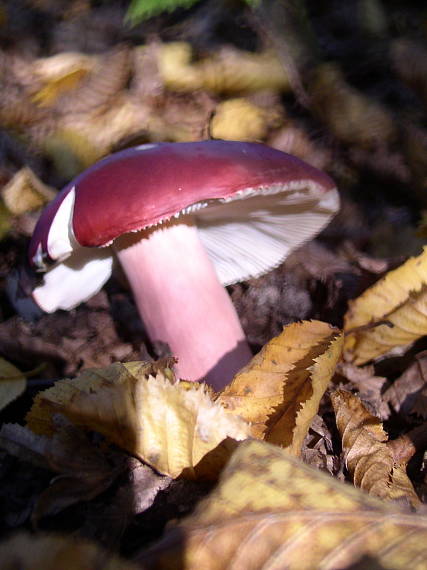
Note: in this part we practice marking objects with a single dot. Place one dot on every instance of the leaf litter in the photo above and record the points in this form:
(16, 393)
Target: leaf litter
(90, 460)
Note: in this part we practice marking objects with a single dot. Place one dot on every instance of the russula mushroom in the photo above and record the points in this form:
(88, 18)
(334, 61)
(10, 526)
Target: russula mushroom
(184, 219)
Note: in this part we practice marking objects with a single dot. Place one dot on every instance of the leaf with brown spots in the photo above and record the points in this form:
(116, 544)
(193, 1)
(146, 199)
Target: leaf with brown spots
(271, 511)
(279, 391)
(369, 458)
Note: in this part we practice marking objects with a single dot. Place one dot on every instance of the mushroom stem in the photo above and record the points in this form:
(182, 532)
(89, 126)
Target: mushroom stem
(182, 302)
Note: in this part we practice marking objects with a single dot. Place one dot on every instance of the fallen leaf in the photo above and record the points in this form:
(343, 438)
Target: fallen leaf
(392, 313)
(51, 552)
(85, 470)
(368, 384)
(176, 429)
(241, 120)
(60, 73)
(272, 511)
(12, 383)
(369, 459)
(228, 70)
(25, 192)
(408, 393)
(279, 391)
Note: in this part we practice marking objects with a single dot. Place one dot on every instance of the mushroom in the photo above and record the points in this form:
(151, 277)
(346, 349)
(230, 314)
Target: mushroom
(184, 219)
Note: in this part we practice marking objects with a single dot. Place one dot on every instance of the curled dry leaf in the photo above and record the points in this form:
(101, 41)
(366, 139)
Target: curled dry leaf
(167, 425)
(279, 391)
(369, 459)
(12, 383)
(392, 313)
(272, 511)
(25, 192)
(368, 384)
(408, 393)
(51, 552)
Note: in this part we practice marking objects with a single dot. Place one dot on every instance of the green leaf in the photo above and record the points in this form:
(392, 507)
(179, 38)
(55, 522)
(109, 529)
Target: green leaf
(143, 9)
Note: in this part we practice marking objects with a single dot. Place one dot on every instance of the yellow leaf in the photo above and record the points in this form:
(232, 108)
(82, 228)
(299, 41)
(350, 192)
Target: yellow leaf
(52, 552)
(270, 510)
(279, 391)
(391, 313)
(168, 426)
(12, 383)
(368, 457)
(25, 192)
(239, 119)
(226, 71)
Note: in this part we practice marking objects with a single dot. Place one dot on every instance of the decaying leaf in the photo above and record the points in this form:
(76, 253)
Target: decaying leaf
(392, 313)
(369, 458)
(368, 384)
(51, 552)
(25, 192)
(272, 511)
(279, 391)
(12, 383)
(408, 393)
(167, 425)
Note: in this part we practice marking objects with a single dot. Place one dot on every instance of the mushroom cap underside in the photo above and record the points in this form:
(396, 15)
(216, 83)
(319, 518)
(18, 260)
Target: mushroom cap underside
(252, 204)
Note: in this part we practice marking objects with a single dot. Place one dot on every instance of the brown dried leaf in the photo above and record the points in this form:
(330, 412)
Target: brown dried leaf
(392, 313)
(369, 385)
(368, 457)
(167, 425)
(272, 511)
(52, 552)
(408, 393)
(279, 391)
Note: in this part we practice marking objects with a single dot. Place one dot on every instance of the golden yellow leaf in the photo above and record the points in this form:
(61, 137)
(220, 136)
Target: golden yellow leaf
(53, 552)
(12, 383)
(165, 424)
(368, 457)
(279, 391)
(25, 192)
(391, 313)
(228, 70)
(272, 511)
(239, 119)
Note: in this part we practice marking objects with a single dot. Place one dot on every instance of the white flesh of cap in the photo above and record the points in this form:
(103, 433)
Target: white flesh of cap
(75, 280)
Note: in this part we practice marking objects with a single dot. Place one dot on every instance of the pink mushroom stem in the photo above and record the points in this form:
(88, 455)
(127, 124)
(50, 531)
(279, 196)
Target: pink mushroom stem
(182, 302)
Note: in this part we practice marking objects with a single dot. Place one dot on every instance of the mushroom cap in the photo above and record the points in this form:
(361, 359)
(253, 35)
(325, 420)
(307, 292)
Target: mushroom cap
(252, 204)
